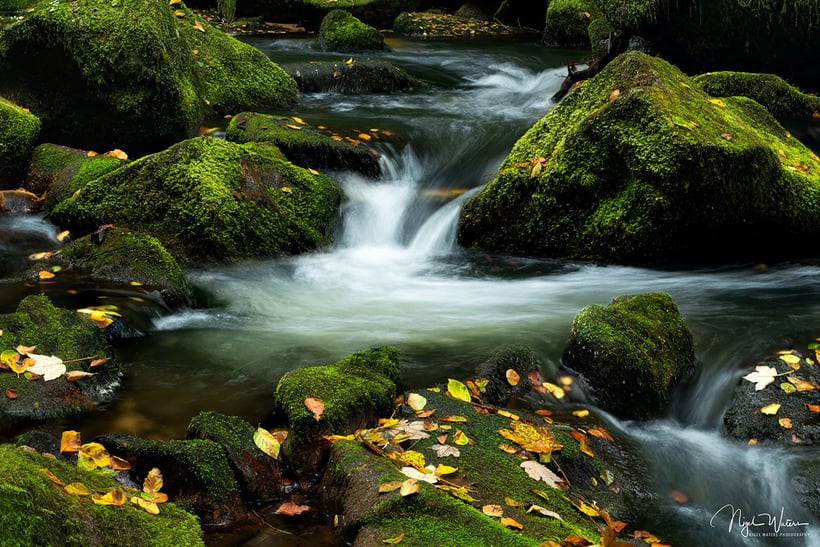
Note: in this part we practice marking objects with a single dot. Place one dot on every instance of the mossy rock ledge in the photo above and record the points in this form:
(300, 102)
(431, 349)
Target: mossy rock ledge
(630, 354)
(132, 74)
(66, 334)
(343, 32)
(19, 130)
(359, 77)
(35, 511)
(639, 165)
(209, 200)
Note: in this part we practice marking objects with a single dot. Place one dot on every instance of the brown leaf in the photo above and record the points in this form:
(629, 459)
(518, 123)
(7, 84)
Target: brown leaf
(582, 442)
(290, 509)
(153, 481)
(119, 464)
(316, 406)
(11, 393)
(74, 375)
(600, 432)
(98, 362)
(52, 477)
(785, 423)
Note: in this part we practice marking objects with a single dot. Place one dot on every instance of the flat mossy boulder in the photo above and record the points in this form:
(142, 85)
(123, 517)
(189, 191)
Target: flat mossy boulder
(630, 354)
(639, 165)
(361, 76)
(58, 171)
(355, 391)
(124, 257)
(68, 335)
(343, 32)
(303, 144)
(782, 100)
(135, 75)
(209, 200)
(35, 511)
(196, 473)
(258, 475)
(19, 130)
(443, 25)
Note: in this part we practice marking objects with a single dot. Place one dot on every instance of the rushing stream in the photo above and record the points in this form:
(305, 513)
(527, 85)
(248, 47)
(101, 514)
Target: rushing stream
(396, 276)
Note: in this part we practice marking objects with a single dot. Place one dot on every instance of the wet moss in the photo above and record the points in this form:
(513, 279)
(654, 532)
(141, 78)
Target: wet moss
(34, 511)
(639, 165)
(19, 130)
(343, 32)
(211, 200)
(568, 22)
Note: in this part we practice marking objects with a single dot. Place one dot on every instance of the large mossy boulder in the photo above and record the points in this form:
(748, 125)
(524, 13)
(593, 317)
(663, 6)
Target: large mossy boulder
(631, 354)
(355, 391)
(132, 74)
(770, 36)
(576, 24)
(358, 77)
(640, 165)
(19, 130)
(211, 200)
(302, 144)
(36, 511)
(343, 32)
(68, 335)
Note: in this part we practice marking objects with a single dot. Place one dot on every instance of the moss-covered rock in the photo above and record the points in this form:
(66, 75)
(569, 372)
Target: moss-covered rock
(781, 99)
(577, 24)
(19, 130)
(258, 474)
(59, 171)
(66, 334)
(196, 473)
(442, 25)
(125, 257)
(355, 391)
(131, 74)
(499, 390)
(302, 144)
(631, 354)
(639, 165)
(343, 32)
(211, 200)
(35, 511)
(356, 78)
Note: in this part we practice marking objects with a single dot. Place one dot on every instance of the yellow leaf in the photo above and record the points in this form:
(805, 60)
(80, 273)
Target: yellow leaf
(52, 477)
(298, 120)
(416, 401)
(293, 126)
(113, 496)
(266, 442)
(457, 390)
(394, 540)
(461, 438)
(287, 190)
(493, 510)
(584, 507)
(409, 487)
(117, 153)
(801, 385)
(582, 443)
(455, 419)
(316, 406)
(536, 170)
(771, 409)
(43, 274)
(313, 171)
(198, 26)
(717, 102)
(148, 506)
(96, 454)
(512, 376)
(77, 489)
(789, 358)
(70, 441)
(445, 470)
(153, 481)
(512, 503)
(364, 136)
(62, 235)
(508, 414)
(174, 2)
(410, 457)
(511, 523)
(540, 440)
(557, 391)
(25, 349)
(389, 486)
(349, 61)
(581, 413)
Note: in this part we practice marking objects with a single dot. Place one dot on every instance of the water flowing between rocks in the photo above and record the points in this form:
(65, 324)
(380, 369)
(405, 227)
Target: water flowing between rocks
(396, 276)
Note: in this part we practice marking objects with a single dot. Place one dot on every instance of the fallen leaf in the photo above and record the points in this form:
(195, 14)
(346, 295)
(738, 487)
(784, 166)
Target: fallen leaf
(52, 477)
(116, 153)
(198, 26)
(457, 390)
(287, 190)
(600, 432)
(313, 171)
(557, 391)
(316, 406)
(77, 489)
(771, 409)
(11, 393)
(62, 235)
(717, 102)
(44, 275)
(74, 375)
(813, 408)
(492, 510)
(113, 496)
(512, 377)
(762, 376)
(785, 423)
(266, 442)
(540, 440)
(393, 540)
(98, 362)
(455, 419)
(540, 472)
(678, 497)
(389, 486)
(511, 523)
(416, 401)
(461, 438)
(414, 473)
(800, 385)
(442, 470)
(582, 443)
(583, 413)
(542, 511)
(614, 94)
(443, 450)
(512, 503)
(153, 481)
(290, 509)
(584, 507)
(409, 487)
(119, 464)
(25, 349)
(49, 367)
(789, 358)
(298, 120)
(147, 505)
(70, 441)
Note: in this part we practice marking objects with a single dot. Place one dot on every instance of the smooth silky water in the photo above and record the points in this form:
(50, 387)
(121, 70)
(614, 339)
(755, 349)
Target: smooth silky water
(396, 276)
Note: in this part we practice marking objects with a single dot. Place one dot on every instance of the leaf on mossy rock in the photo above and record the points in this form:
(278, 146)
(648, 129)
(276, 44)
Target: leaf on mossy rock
(112, 496)
(511, 523)
(771, 409)
(512, 377)
(52, 477)
(153, 481)
(540, 472)
(443, 450)
(316, 406)
(428, 475)
(409, 487)
(394, 540)
(389, 486)
(416, 402)
(147, 505)
(801, 385)
(93, 455)
(77, 489)
(70, 441)
(543, 512)
(457, 390)
(540, 440)
(266, 442)
(74, 375)
(493, 510)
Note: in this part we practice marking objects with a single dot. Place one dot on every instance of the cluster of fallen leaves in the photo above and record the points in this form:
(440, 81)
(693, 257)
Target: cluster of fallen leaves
(33, 367)
(764, 375)
(95, 457)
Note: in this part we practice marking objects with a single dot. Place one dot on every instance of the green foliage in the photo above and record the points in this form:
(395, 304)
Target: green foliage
(227, 10)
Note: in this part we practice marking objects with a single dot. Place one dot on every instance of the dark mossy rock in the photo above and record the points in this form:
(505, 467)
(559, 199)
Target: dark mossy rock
(781, 99)
(310, 13)
(66, 334)
(806, 483)
(474, 10)
(434, 517)
(343, 32)
(577, 24)
(131, 74)
(355, 391)
(631, 354)
(639, 165)
(498, 390)
(442, 25)
(127, 258)
(258, 475)
(35, 511)
(305, 146)
(209, 200)
(744, 421)
(18, 202)
(19, 130)
(755, 36)
(196, 474)
(357, 78)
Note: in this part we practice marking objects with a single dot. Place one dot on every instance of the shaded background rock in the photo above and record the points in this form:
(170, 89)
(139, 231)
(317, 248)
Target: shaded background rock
(19, 130)
(499, 391)
(359, 77)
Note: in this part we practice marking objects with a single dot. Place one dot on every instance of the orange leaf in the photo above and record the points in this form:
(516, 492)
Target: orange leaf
(52, 477)
(813, 408)
(74, 375)
(600, 432)
(582, 441)
(511, 523)
(785, 423)
(316, 406)
(409, 487)
(43, 274)
(117, 153)
(119, 464)
(512, 377)
(290, 509)
(98, 362)
(153, 481)
(70, 441)
(11, 393)
(678, 496)
(614, 94)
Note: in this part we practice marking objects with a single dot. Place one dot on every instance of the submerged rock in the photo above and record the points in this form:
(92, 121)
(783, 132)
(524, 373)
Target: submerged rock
(639, 165)
(209, 200)
(631, 354)
(356, 78)
(302, 144)
(19, 130)
(343, 32)
(68, 335)
(133, 75)
(35, 511)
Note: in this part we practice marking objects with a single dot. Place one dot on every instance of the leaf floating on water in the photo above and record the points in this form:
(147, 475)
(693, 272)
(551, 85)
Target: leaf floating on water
(557, 391)
(457, 390)
(512, 377)
(762, 376)
(49, 367)
(290, 509)
(493, 510)
(771, 409)
(45, 275)
(266, 442)
(540, 472)
(316, 406)
(678, 497)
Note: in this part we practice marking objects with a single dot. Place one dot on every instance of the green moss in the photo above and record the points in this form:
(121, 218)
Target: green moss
(782, 100)
(641, 166)
(341, 31)
(19, 130)
(207, 199)
(34, 511)
(569, 23)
